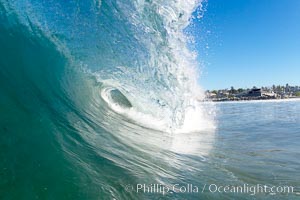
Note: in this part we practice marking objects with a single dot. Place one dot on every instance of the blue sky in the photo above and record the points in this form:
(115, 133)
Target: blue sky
(246, 43)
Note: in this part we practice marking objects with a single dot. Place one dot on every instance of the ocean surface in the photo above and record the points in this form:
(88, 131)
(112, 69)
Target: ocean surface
(100, 100)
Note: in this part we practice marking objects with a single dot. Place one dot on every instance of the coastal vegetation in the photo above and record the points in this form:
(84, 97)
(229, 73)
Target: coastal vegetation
(255, 93)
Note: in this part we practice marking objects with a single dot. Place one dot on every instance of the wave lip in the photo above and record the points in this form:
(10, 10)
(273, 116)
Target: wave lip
(138, 47)
(108, 90)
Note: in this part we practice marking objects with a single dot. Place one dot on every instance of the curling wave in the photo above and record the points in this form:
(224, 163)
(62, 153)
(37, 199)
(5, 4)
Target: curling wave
(89, 84)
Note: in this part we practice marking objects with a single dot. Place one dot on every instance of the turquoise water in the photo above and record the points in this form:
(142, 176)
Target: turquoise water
(100, 97)
(258, 143)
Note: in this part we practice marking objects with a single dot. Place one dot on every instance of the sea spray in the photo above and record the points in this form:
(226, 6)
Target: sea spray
(138, 47)
(63, 131)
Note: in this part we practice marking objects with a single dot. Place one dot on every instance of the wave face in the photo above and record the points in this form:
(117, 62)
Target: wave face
(96, 94)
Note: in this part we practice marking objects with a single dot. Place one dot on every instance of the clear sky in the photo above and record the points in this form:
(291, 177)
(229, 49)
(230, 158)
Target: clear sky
(246, 43)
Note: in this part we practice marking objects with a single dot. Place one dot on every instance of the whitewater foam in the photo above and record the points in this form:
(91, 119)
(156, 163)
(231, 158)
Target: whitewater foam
(136, 46)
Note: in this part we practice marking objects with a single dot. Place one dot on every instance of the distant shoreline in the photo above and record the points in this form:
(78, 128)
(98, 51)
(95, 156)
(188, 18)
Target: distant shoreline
(256, 101)
(255, 94)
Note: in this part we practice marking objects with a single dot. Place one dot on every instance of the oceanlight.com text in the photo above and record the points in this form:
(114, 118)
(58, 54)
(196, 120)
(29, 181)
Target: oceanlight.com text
(210, 188)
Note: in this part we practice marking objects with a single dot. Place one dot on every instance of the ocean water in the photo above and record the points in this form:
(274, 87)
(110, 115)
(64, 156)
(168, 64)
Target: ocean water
(98, 98)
